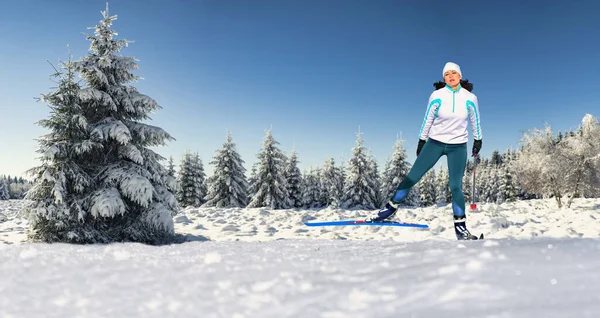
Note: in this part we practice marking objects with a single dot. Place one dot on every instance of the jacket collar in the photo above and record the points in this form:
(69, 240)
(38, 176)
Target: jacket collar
(452, 90)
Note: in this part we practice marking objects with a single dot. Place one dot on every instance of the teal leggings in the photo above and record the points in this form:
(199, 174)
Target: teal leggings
(431, 152)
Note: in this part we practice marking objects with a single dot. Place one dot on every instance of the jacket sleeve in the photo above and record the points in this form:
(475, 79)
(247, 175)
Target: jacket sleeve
(432, 107)
(474, 118)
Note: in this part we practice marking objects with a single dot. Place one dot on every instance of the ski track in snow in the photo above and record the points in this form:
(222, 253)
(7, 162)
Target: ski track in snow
(537, 261)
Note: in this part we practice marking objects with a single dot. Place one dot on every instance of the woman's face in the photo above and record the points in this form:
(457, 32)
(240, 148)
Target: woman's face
(452, 78)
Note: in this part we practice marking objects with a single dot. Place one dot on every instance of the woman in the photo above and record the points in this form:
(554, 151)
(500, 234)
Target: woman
(444, 132)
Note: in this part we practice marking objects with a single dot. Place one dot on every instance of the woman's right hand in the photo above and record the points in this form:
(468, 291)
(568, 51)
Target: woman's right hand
(420, 146)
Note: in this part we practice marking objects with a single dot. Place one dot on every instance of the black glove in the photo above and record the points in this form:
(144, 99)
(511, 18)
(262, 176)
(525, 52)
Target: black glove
(476, 147)
(420, 146)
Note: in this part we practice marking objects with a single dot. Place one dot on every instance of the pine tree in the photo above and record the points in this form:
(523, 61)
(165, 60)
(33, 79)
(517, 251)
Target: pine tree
(202, 190)
(359, 187)
(323, 195)
(270, 183)
(252, 182)
(333, 182)
(191, 181)
(508, 192)
(228, 186)
(4, 194)
(427, 188)
(483, 180)
(312, 188)
(376, 177)
(494, 186)
(559, 137)
(171, 167)
(443, 194)
(496, 158)
(293, 178)
(99, 180)
(468, 183)
(395, 171)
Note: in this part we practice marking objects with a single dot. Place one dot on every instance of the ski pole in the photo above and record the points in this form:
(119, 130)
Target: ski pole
(473, 205)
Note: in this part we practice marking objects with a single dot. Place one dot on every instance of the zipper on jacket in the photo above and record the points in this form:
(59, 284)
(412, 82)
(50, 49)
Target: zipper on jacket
(453, 93)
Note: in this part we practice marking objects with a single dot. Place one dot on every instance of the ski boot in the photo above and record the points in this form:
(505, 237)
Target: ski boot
(386, 212)
(460, 228)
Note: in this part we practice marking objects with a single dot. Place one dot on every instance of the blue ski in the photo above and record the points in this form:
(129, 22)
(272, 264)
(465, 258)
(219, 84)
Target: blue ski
(362, 222)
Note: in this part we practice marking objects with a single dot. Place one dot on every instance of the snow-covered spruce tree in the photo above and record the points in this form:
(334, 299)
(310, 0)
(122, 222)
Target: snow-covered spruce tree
(507, 191)
(443, 187)
(312, 189)
(4, 193)
(270, 183)
(323, 197)
(494, 185)
(376, 177)
(427, 188)
(468, 183)
(99, 182)
(171, 167)
(252, 182)
(228, 186)
(333, 182)
(496, 158)
(191, 181)
(394, 172)
(413, 199)
(16, 187)
(201, 177)
(359, 186)
(293, 177)
(485, 180)
(185, 183)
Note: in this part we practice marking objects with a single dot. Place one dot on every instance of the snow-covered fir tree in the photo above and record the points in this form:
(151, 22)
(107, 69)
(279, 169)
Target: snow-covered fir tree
(16, 187)
(228, 186)
(322, 200)
(396, 169)
(4, 193)
(485, 180)
(311, 196)
(468, 183)
(270, 183)
(99, 181)
(359, 186)
(293, 177)
(191, 181)
(171, 167)
(333, 182)
(201, 176)
(496, 158)
(495, 183)
(394, 172)
(413, 199)
(376, 177)
(252, 182)
(443, 194)
(427, 188)
(507, 191)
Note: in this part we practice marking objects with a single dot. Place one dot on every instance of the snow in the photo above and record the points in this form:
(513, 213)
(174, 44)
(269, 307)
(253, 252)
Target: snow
(536, 261)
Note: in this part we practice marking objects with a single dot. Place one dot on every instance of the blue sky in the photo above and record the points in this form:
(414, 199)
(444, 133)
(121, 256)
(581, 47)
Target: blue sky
(312, 71)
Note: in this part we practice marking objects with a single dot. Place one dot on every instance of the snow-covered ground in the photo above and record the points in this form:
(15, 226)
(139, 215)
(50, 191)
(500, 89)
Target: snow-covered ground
(537, 261)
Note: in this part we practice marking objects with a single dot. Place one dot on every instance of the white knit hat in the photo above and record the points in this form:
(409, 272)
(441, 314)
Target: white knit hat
(451, 66)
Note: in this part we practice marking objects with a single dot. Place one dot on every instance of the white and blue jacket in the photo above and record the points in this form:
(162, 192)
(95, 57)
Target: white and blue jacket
(447, 115)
